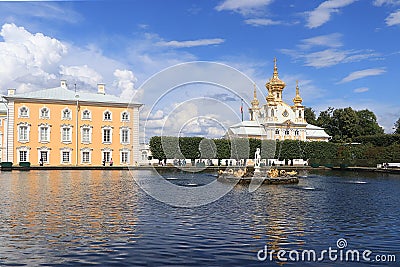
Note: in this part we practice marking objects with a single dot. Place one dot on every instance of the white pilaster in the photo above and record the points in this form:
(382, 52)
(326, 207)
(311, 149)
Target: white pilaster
(135, 136)
(10, 133)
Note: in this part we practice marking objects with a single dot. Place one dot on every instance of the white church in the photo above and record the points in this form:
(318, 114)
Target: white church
(277, 120)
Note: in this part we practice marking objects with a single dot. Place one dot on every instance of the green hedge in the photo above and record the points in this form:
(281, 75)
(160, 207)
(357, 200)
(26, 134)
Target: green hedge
(379, 139)
(318, 153)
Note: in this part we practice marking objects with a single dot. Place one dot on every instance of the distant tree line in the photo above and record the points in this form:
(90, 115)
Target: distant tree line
(345, 124)
(368, 153)
(397, 127)
(357, 139)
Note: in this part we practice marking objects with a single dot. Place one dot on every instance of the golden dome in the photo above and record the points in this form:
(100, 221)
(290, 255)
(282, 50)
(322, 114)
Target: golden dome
(275, 83)
(255, 102)
(297, 100)
(270, 98)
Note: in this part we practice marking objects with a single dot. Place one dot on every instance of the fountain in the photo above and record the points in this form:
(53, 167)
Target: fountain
(270, 176)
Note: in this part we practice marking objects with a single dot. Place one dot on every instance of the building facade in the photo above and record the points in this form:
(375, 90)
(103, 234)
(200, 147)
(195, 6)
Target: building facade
(61, 127)
(3, 125)
(277, 120)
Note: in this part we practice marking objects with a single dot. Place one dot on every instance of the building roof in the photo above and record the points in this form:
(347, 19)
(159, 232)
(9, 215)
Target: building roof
(3, 107)
(250, 128)
(314, 131)
(64, 94)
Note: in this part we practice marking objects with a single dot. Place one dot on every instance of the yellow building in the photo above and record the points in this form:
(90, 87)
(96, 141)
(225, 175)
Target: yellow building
(61, 127)
(3, 122)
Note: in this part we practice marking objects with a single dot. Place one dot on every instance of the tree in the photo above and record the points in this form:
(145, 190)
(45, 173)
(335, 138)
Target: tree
(325, 120)
(344, 124)
(397, 127)
(309, 115)
(345, 121)
(189, 147)
(156, 148)
(367, 123)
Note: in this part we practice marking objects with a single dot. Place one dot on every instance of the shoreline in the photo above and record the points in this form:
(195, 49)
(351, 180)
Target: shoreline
(195, 169)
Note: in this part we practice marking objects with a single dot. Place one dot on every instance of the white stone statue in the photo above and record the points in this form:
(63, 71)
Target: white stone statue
(257, 158)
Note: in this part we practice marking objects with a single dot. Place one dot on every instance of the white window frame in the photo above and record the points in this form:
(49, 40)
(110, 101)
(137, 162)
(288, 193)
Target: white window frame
(106, 150)
(62, 150)
(48, 133)
(44, 149)
(20, 113)
(121, 152)
(28, 126)
(23, 154)
(23, 148)
(144, 155)
(46, 116)
(104, 115)
(103, 135)
(89, 118)
(86, 127)
(63, 112)
(122, 116)
(122, 130)
(69, 127)
(86, 150)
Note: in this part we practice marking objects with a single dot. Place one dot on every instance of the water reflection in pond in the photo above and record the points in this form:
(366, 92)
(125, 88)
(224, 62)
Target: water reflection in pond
(104, 218)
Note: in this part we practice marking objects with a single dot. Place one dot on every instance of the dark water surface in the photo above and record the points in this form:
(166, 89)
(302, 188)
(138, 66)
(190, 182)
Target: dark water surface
(61, 218)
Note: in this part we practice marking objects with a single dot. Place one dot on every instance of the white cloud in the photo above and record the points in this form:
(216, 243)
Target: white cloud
(386, 2)
(322, 13)
(125, 82)
(325, 58)
(393, 18)
(43, 10)
(192, 43)
(328, 40)
(362, 74)
(33, 61)
(308, 50)
(26, 58)
(243, 7)
(329, 57)
(262, 22)
(361, 90)
(83, 74)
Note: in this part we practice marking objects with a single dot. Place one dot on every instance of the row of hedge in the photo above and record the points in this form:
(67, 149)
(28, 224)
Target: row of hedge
(319, 153)
(378, 139)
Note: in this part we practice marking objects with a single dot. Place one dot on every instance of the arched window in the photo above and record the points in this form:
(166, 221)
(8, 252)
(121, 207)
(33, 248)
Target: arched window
(66, 114)
(107, 116)
(144, 155)
(86, 115)
(125, 116)
(23, 112)
(276, 131)
(44, 113)
(299, 113)
(272, 113)
(287, 132)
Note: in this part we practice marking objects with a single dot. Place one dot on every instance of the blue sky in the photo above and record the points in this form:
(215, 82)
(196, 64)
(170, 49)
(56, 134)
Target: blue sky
(343, 52)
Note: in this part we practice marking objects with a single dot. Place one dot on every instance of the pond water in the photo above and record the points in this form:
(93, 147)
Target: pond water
(80, 218)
